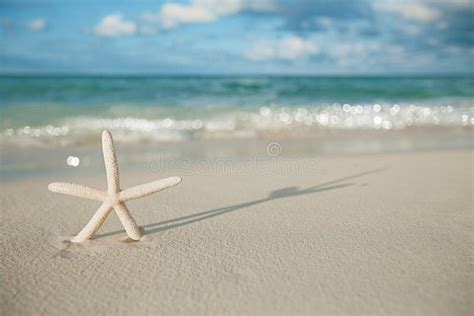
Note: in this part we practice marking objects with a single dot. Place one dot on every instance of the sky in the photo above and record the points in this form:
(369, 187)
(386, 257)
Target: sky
(237, 36)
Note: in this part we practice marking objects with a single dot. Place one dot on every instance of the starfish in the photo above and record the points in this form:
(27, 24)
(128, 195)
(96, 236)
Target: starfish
(113, 198)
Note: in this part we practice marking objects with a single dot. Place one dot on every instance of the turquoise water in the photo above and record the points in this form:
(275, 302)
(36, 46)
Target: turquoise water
(43, 109)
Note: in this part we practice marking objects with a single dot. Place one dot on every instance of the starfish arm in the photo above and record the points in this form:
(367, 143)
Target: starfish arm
(94, 224)
(78, 190)
(110, 160)
(142, 190)
(131, 227)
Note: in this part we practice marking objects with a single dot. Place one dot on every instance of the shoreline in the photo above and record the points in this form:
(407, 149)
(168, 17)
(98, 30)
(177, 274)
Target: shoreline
(27, 139)
(21, 162)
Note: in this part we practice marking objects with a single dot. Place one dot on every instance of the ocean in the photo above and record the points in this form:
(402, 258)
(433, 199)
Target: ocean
(63, 110)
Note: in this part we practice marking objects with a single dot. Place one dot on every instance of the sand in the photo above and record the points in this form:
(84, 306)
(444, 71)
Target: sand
(359, 234)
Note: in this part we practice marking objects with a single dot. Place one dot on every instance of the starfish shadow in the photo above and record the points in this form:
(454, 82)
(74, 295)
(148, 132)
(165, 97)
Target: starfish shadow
(274, 195)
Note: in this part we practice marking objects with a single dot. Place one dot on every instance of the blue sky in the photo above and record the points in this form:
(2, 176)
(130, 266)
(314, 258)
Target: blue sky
(237, 36)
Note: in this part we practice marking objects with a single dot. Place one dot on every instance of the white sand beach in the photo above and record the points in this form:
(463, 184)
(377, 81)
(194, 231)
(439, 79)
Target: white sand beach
(309, 157)
(363, 234)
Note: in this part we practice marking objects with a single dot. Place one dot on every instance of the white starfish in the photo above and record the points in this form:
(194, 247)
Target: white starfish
(113, 198)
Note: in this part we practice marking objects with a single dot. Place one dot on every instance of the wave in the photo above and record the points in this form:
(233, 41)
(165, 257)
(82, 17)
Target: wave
(267, 120)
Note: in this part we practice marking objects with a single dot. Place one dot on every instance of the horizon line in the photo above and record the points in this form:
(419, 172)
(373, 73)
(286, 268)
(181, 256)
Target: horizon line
(197, 74)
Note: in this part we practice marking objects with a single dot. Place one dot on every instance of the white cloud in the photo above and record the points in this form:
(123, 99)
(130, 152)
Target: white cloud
(288, 48)
(172, 15)
(36, 25)
(412, 11)
(115, 25)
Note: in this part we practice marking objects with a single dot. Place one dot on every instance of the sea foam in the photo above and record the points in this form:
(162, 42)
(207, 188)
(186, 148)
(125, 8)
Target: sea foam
(307, 121)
